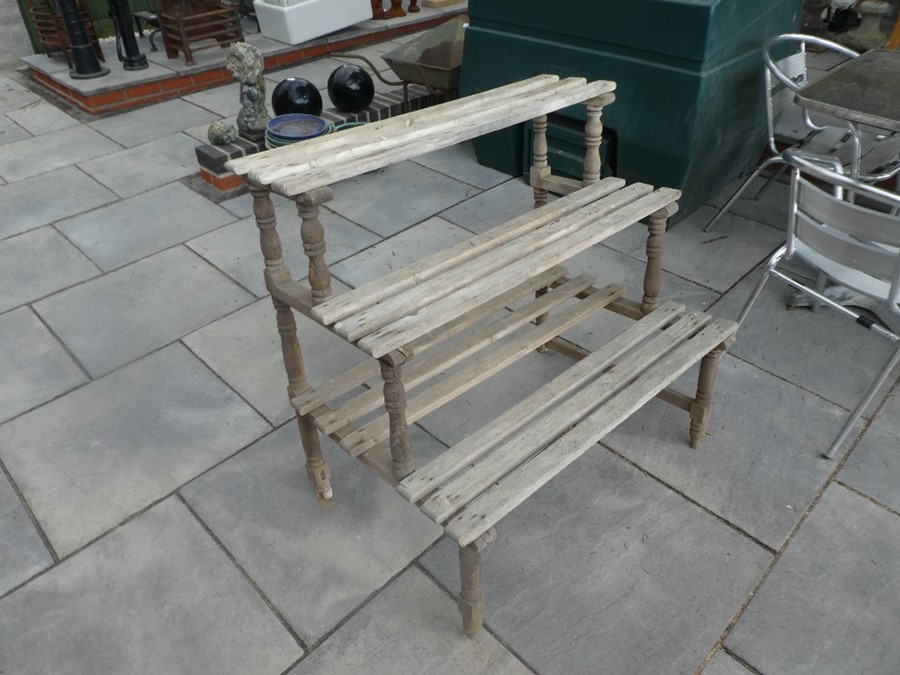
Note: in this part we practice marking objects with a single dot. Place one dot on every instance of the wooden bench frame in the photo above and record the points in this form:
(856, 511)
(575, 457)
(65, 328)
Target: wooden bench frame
(441, 308)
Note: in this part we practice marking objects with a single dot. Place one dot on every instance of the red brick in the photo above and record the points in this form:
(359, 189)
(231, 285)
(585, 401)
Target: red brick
(224, 182)
(141, 90)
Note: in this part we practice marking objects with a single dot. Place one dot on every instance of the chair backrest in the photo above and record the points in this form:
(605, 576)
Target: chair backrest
(854, 244)
(788, 75)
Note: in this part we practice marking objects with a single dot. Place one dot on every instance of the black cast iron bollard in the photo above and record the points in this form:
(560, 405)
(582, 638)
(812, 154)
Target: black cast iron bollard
(83, 56)
(121, 14)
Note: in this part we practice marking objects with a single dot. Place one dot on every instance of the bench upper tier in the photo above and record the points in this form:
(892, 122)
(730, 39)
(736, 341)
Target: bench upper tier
(294, 169)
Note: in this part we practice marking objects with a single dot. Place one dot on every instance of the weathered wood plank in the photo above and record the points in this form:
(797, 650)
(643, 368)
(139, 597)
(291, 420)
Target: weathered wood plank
(293, 155)
(410, 327)
(424, 370)
(483, 367)
(356, 376)
(471, 271)
(495, 503)
(438, 136)
(459, 491)
(449, 463)
(375, 291)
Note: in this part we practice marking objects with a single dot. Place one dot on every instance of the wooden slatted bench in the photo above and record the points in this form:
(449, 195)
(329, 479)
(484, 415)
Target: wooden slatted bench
(446, 323)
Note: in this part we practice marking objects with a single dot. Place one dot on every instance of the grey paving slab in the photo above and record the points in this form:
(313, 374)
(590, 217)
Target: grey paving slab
(89, 460)
(604, 570)
(770, 209)
(37, 263)
(33, 202)
(10, 131)
(872, 467)
(723, 664)
(41, 117)
(126, 314)
(389, 200)
(412, 626)
(830, 603)
(156, 596)
(39, 154)
(431, 236)
(717, 259)
(224, 101)
(146, 166)
(34, 367)
(23, 554)
(493, 207)
(14, 96)
(242, 205)
(153, 122)
(316, 562)
(611, 267)
(244, 348)
(139, 226)
(235, 249)
(759, 477)
(459, 162)
(200, 131)
(822, 352)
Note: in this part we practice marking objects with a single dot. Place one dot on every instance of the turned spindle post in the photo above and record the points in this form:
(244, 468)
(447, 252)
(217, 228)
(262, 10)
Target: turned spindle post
(395, 11)
(395, 403)
(656, 231)
(701, 407)
(593, 135)
(377, 9)
(471, 598)
(540, 168)
(276, 272)
(413, 6)
(313, 235)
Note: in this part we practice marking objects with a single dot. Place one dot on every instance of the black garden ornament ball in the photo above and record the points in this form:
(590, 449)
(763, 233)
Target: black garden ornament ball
(296, 95)
(350, 88)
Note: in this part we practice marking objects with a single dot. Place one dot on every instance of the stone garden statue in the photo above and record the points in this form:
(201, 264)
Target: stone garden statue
(245, 62)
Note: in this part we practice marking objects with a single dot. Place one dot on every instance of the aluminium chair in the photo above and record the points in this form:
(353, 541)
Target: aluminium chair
(874, 155)
(852, 244)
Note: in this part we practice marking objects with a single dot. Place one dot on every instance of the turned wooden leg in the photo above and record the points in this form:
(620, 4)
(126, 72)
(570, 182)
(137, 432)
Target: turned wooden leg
(701, 407)
(540, 169)
(395, 403)
(396, 10)
(471, 599)
(313, 235)
(413, 6)
(656, 226)
(277, 272)
(538, 320)
(593, 135)
(377, 9)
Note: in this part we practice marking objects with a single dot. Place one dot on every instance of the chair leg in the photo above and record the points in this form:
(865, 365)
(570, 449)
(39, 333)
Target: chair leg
(471, 599)
(769, 181)
(734, 198)
(701, 407)
(770, 265)
(870, 394)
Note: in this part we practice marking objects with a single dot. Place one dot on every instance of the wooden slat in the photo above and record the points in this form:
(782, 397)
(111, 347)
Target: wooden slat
(416, 373)
(344, 305)
(471, 271)
(495, 503)
(438, 136)
(459, 491)
(401, 332)
(482, 368)
(357, 375)
(447, 464)
(374, 130)
(415, 127)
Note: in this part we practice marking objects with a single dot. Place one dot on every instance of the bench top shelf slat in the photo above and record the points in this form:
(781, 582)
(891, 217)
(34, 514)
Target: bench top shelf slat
(322, 161)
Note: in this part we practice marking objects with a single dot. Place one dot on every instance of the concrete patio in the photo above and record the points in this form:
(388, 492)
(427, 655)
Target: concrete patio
(156, 516)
